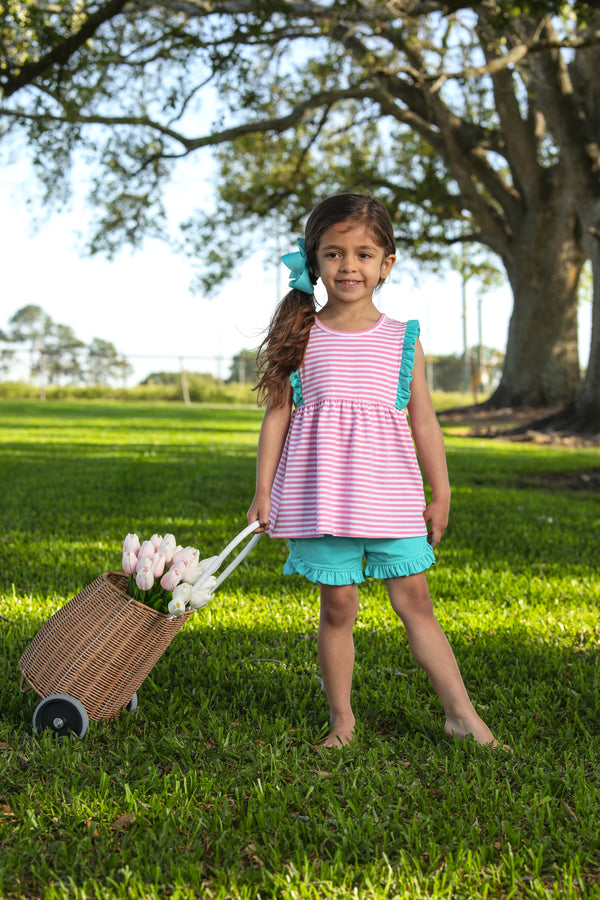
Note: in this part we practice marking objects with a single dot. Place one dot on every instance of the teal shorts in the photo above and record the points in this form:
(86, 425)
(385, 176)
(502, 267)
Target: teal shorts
(339, 560)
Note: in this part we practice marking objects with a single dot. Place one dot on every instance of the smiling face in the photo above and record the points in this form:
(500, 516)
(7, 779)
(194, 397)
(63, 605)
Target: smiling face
(351, 263)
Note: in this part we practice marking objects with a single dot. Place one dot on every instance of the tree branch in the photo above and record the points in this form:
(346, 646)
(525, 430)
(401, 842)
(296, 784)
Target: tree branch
(62, 53)
(259, 126)
(515, 56)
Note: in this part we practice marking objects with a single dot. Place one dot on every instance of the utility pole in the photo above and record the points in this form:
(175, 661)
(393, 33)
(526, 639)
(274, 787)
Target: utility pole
(466, 366)
(184, 384)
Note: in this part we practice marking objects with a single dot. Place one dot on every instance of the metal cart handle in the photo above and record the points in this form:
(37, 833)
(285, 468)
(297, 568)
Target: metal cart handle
(224, 553)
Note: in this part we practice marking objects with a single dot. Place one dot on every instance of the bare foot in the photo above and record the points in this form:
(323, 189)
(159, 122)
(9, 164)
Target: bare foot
(477, 729)
(338, 737)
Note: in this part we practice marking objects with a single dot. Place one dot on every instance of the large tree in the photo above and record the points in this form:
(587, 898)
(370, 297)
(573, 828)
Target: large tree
(569, 95)
(431, 107)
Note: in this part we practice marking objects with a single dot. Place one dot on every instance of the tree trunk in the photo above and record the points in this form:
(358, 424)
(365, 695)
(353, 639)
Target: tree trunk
(568, 95)
(582, 415)
(541, 368)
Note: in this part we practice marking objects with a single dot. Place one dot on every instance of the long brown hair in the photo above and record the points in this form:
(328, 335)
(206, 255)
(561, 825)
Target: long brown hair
(282, 351)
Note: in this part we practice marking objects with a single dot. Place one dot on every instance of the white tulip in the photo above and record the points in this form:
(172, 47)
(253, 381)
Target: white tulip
(202, 595)
(167, 547)
(200, 598)
(176, 607)
(182, 592)
(193, 573)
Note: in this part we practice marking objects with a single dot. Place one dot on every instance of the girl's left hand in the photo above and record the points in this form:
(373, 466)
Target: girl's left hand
(436, 518)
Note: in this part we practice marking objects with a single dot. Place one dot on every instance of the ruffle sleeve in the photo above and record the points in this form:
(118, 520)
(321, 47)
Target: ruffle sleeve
(411, 334)
(296, 383)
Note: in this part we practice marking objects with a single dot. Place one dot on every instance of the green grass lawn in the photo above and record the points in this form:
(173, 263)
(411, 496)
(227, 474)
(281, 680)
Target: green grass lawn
(214, 787)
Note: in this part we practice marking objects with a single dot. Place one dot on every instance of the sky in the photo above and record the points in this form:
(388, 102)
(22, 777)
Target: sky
(141, 301)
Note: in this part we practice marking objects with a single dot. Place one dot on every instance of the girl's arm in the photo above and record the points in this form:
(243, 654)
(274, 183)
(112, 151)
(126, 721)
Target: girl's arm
(273, 433)
(429, 443)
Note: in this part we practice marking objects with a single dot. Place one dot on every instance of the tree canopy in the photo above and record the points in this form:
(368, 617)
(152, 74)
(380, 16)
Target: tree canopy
(448, 111)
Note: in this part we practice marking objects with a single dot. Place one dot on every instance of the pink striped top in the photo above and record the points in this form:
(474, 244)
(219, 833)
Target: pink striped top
(349, 465)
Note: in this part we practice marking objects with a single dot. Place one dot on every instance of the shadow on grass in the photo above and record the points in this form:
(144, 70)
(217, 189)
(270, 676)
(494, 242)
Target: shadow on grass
(256, 676)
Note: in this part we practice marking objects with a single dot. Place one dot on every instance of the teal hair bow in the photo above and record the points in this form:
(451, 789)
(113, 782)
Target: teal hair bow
(301, 273)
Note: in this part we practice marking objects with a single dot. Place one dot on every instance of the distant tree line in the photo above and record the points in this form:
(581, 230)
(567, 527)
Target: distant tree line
(56, 355)
(479, 373)
(195, 387)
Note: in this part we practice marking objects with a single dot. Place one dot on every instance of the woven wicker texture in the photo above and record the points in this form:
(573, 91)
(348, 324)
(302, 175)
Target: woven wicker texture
(98, 647)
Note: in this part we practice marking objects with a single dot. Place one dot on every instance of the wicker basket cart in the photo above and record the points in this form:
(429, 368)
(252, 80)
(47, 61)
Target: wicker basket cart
(89, 659)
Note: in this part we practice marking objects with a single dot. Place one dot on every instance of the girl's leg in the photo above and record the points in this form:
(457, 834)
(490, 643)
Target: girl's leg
(339, 608)
(411, 600)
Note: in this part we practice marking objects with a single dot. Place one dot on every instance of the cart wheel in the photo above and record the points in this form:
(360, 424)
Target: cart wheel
(62, 714)
(133, 703)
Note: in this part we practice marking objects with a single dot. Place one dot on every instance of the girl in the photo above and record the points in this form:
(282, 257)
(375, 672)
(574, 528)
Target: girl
(339, 477)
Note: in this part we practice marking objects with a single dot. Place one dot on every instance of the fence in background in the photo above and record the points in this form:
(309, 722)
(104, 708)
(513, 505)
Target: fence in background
(448, 373)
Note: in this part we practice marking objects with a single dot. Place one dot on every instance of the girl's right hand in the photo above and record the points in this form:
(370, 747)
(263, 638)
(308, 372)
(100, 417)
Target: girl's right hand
(273, 433)
(260, 509)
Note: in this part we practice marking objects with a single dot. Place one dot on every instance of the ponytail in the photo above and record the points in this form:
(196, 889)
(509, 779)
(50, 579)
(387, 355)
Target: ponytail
(282, 351)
